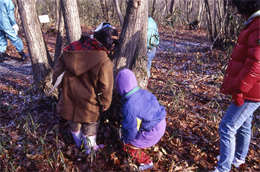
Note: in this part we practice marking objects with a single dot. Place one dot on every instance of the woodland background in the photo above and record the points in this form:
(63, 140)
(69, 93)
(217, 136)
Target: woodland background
(185, 76)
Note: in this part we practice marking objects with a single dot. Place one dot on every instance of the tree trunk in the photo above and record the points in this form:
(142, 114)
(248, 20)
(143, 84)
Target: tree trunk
(227, 13)
(42, 71)
(164, 10)
(121, 19)
(71, 19)
(166, 7)
(200, 12)
(209, 21)
(60, 32)
(131, 51)
(153, 9)
(57, 14)
(104, 10)
(215, 17)
(190, 9)
(17, 15)
(172, 6)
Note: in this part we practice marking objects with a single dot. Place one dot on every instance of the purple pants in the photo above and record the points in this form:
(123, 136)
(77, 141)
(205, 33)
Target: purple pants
(147, 139)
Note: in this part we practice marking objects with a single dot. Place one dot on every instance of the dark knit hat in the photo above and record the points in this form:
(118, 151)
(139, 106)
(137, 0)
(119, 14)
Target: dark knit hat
(125, 81)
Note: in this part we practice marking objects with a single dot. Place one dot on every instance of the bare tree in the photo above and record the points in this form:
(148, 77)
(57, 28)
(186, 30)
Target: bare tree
(104, 9)
(71, 19)
(132, 51)
(60, 30)
(171, 9)
(200, 11)
(57, 13)
(121, 19)
(153, 9)
(209, 20)
(42, 71)
(16, 14)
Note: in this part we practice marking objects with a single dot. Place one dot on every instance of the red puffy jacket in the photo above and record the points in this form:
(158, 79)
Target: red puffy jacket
(243, 71)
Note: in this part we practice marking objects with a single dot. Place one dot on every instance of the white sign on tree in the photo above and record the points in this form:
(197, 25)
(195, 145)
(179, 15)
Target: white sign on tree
(44, 19)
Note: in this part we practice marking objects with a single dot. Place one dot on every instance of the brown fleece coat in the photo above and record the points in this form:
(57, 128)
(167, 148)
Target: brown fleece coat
(87, 73)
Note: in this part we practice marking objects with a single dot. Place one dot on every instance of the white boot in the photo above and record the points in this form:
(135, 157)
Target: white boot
(90, 143)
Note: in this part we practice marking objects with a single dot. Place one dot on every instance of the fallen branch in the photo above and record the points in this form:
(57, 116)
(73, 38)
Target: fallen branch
(207, 99)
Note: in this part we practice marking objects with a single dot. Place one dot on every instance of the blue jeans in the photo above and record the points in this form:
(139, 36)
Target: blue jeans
(235, 133)
(15, 40)
(150, 54)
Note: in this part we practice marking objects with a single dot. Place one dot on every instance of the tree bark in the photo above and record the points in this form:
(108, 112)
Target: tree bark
(57, 14)
(172, 6)
(120, 16)
(227, 13)
(42, 71)
(209, 21)
(71, 19)
(166, 6)
(131, 51)
(60, 32)
(17, 15)
(104, 10)
(200, 11)
(153, 9)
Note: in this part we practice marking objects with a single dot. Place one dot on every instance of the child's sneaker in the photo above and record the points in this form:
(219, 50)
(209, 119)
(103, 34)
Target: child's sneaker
(216, 170)
(146, 166)
(236, 162)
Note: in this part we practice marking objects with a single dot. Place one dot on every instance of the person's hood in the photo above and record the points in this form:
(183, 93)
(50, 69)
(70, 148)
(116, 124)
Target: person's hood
(79, 62)
(125, 81)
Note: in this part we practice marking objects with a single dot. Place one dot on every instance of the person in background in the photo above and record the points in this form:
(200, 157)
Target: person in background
(143, 122)
(87, 84)
(9, 29)
(242, 81)
(152, 42)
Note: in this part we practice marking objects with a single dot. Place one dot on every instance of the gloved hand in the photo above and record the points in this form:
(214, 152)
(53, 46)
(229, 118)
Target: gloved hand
(16, 28)
(237, 98)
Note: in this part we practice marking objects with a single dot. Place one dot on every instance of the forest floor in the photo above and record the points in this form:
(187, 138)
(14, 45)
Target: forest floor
(185, 77)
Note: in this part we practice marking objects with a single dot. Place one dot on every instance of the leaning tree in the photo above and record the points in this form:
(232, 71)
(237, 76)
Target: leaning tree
(40, 57)
(42, 62)
(131, 51)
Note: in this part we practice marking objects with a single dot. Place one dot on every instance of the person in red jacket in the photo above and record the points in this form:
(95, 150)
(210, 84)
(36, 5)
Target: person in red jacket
(242, 81)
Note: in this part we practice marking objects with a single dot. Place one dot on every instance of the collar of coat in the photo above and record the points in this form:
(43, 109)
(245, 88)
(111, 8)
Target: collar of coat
(129, 93)
(253, 16)
(132, 91)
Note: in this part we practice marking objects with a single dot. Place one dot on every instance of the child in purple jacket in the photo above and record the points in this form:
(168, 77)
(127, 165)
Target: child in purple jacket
(143, 122)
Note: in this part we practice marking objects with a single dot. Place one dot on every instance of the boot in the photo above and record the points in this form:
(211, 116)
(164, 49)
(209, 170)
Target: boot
(146, 166)
(23, 56)
(90, 143)
(77, 136)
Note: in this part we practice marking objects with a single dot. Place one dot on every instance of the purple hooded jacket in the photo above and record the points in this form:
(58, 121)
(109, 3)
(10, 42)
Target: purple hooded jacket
(143, 121)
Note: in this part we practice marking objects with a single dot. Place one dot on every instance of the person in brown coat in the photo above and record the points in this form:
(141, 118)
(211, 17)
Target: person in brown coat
(87, 84)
